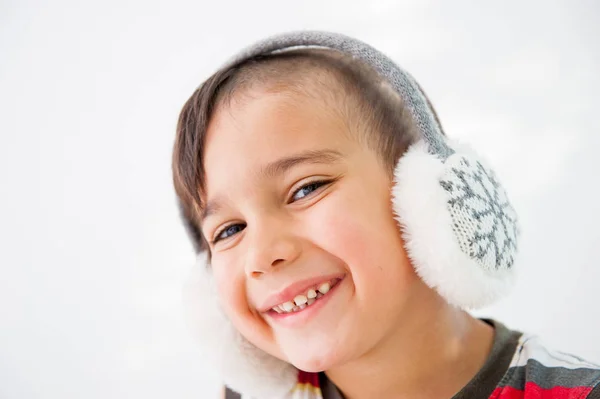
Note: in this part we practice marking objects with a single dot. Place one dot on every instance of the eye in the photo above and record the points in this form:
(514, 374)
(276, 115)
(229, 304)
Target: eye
(307, 190)
(228, 231)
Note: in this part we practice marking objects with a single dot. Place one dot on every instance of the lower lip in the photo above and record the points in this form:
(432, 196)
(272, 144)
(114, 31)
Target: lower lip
(302, 316)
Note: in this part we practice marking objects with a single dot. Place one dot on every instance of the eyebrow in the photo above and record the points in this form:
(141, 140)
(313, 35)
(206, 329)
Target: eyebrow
(280, 167)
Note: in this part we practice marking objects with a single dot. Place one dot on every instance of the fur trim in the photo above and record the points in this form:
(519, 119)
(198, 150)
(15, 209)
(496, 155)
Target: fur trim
(243, 367)
(421, 206)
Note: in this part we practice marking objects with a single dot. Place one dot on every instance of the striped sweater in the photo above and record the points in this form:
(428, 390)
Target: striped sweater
(518, 367)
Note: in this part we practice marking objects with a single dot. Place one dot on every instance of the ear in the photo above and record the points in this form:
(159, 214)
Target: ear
(243, 367)
(459, 228)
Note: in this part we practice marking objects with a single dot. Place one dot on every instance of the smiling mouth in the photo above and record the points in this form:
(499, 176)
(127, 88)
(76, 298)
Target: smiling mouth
(306, 300)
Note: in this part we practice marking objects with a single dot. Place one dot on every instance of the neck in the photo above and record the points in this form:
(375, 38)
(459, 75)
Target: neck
(434, 352)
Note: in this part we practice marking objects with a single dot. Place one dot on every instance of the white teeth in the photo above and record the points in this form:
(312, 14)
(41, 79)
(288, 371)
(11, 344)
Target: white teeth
(300, 300)
(324, 288)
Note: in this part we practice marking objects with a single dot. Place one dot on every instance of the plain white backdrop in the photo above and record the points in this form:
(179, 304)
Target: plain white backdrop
(93, 254)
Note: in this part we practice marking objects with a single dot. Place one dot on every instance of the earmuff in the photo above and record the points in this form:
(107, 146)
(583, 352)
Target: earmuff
(458, 225)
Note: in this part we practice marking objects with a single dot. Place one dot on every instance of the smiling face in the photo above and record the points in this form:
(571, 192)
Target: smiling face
(295, 200)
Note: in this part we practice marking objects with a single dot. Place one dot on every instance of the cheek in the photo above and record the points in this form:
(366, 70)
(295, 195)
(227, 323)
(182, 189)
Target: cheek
(363, 234)
(231, 288)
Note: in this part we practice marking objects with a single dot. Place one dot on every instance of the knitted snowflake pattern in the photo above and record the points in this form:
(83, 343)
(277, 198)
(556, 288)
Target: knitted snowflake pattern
(483, 219)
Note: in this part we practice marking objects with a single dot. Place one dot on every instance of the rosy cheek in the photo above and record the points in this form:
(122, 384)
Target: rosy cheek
(341, 232)
(363, 236)
(230, 286)
(342, 235)
(349, 215)
(233, 295)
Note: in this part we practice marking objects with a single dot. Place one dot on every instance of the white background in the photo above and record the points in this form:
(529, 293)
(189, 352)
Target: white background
(93, 254)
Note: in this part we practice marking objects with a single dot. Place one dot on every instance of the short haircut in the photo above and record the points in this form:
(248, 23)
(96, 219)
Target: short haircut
(368, 104)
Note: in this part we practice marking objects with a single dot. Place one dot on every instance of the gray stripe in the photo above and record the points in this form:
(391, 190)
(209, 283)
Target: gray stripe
(403, 83)
(229, 394)
(549, 377)
(328, 389)
(595, 394)
(485, 381)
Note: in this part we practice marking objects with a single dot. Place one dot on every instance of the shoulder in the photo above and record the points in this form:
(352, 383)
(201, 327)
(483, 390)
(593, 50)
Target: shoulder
(538, 371)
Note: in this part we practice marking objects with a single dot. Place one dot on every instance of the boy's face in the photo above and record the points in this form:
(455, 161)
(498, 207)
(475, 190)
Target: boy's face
(294, 196)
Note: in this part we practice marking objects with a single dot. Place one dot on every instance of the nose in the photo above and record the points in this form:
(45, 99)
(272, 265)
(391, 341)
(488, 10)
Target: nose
(272, 244)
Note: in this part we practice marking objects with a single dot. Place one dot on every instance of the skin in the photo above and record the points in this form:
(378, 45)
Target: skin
(276, 227)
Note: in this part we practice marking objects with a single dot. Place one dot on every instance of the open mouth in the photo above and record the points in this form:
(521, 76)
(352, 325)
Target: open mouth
(307, 300)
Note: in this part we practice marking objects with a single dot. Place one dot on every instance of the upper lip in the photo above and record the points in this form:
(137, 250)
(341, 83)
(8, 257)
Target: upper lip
(299, 287)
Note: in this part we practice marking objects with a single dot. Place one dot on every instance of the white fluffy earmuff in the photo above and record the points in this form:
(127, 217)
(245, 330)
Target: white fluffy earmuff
(459, 228)
(241, 365)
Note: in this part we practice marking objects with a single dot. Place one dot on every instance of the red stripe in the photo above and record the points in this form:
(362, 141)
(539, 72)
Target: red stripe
(533, 391)
(305, 377)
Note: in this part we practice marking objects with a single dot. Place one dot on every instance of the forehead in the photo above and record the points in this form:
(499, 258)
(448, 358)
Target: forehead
(260, 127)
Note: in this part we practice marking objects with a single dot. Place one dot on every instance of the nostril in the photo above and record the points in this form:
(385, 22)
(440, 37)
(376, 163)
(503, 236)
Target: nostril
(256, 274)
(276, 262)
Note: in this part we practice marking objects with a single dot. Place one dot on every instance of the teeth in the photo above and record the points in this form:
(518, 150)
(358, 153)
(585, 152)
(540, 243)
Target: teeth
(324, 288)
(300, 300)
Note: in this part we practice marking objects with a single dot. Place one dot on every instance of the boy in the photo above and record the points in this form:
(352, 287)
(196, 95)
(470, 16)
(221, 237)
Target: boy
(312, 280)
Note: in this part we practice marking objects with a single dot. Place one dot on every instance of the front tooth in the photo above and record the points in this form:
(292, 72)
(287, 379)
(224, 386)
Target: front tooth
(324, 288)
(300, 300)
(310, 301)
(311, 294)
(287, 306)
(276, 308)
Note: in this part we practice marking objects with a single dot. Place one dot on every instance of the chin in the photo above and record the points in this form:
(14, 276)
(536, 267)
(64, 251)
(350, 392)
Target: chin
(312, 365)
(314, 360)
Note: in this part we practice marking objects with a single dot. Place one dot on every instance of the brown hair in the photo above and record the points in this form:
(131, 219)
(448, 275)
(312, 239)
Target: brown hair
(350, 87)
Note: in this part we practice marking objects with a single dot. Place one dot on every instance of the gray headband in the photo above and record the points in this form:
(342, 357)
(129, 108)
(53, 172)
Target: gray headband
(401, 81)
